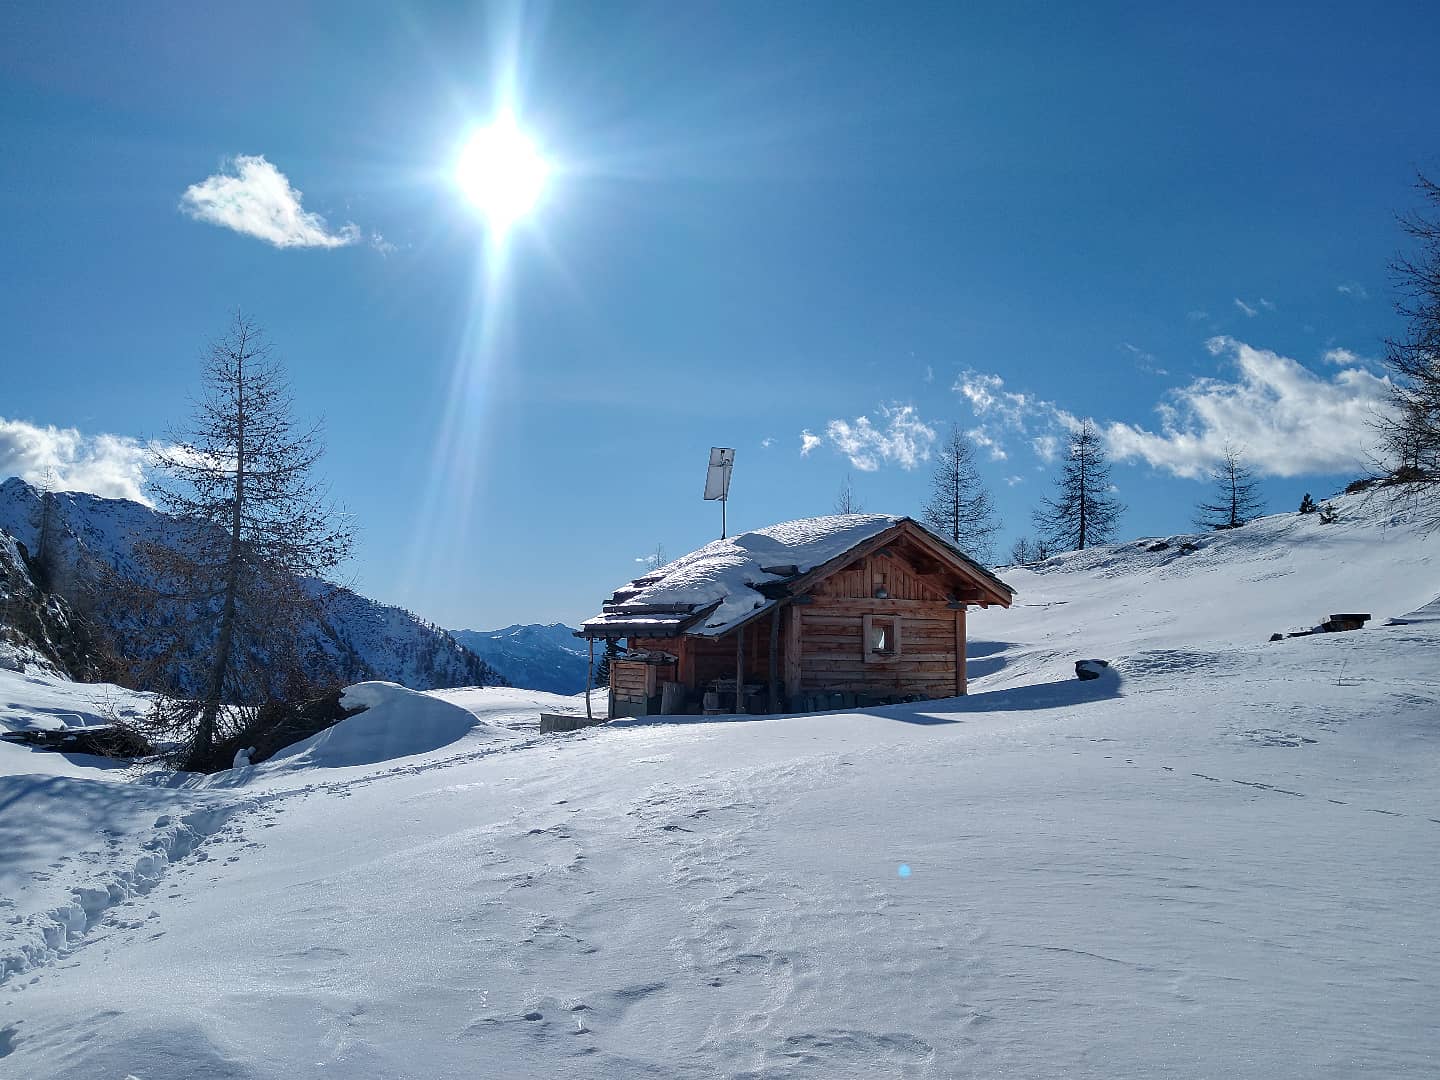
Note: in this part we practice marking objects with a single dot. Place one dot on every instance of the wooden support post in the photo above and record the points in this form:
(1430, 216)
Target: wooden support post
(775, 659)
(792, 651)
(960, 676)
(589, 679)
(740, 670)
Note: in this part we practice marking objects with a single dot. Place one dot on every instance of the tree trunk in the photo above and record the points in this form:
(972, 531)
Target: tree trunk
(215, 688)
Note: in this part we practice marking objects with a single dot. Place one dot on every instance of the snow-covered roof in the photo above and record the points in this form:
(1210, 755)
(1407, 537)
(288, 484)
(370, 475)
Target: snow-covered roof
(710, 590)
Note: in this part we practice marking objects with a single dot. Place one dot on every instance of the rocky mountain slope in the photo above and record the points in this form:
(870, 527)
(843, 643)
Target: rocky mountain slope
(77, 538)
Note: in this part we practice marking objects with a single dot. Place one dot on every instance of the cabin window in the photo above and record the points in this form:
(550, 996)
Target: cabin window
(882, 638)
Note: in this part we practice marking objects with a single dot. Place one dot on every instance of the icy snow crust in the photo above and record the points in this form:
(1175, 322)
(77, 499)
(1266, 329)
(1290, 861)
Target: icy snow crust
(1217, 861)
(724, 570)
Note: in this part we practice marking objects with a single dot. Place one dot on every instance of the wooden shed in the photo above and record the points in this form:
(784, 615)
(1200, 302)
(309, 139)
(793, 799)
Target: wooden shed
(830, 612)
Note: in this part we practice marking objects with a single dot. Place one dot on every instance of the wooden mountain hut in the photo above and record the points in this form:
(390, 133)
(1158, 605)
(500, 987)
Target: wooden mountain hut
(831, 612)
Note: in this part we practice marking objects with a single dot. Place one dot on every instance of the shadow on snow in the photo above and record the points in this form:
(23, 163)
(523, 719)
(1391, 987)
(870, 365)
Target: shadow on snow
(1061, 694)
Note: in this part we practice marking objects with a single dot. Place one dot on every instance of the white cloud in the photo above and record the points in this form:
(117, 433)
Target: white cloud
(1046, 447)
(1268, 305)
(1008, 410)
(766, 443)
(808, 441)
(1352, 289)
(1342, 357)
(981, 437)
(1249, 311)
(1291, 421)
(1197, 315)
(902, 438)
(1013, 480)
(253, 197)
(108, 465)
(929, 374)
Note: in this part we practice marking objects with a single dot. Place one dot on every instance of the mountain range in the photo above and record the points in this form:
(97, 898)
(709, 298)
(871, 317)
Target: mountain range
(58, 550)
(535, 656)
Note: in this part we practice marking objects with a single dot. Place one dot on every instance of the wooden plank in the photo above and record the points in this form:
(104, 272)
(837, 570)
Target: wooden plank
(940, 668)
(774, 705)
(959, 652)
(819, 622)
(793, 630)
(934, 608)
(740, 670)
(906, 656)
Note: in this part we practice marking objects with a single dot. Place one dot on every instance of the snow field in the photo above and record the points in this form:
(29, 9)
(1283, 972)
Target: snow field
(1219, 861)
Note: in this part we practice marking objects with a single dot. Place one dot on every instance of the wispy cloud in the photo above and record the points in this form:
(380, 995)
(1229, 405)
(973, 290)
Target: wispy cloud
(1342, 357)
(900, 438)
(983, 439)
(1046, 447)
(766, 443)
(253, 197)
(1144, 360)
(1251, 310)
(809, 441)
(1005, 413)
(1291, 421)
(1352, 289)
(108, 465)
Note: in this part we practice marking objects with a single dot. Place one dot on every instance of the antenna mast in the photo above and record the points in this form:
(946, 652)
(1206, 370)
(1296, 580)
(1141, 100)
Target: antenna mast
(717, 481)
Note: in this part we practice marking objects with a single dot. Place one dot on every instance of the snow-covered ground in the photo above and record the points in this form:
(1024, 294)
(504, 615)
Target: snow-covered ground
(1221, 861)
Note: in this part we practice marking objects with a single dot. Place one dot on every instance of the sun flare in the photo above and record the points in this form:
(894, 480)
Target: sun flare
(501, 172)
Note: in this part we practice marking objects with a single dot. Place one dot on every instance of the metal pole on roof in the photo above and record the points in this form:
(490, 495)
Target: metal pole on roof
(724, 528)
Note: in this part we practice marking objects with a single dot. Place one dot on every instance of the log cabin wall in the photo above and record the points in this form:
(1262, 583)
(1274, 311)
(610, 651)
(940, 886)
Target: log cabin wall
(829, 631)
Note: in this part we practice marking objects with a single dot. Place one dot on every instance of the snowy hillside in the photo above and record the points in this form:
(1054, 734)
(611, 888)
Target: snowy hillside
(536, 656)
(357, 639)
(1219, 861)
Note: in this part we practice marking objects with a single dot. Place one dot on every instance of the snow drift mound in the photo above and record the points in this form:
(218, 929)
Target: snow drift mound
(396, 723)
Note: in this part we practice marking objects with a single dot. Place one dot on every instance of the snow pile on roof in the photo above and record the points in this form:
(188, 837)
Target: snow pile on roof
(724, 571)
(396, 723)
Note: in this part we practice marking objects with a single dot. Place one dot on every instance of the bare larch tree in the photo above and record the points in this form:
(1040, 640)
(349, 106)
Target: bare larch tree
(253, 542)
(845, 500)
(960, 508)
(1084, 511)
(1237, 495)
(1028, 550)
(1410, 431)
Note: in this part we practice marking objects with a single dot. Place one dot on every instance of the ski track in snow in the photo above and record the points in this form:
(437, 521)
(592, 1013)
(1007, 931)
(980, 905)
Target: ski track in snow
(1220, 863)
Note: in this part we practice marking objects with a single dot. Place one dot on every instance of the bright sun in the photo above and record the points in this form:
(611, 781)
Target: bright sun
(501, 172)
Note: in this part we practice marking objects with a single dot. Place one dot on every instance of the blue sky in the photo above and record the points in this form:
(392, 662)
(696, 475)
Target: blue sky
(763, 221)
